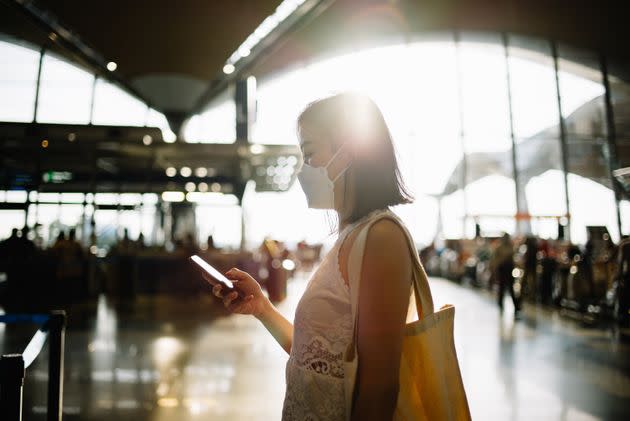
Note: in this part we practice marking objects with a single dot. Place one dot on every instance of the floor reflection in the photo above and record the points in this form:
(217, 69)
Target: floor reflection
(176, 358)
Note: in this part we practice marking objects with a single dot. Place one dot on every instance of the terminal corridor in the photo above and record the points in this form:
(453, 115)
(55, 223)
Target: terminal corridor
(170, 358)
(148, 149)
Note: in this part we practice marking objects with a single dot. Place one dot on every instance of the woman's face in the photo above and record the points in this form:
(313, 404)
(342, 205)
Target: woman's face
(318, 151)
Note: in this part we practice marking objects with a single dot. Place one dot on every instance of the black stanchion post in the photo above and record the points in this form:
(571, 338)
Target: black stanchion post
(11, 382)
(57, 327)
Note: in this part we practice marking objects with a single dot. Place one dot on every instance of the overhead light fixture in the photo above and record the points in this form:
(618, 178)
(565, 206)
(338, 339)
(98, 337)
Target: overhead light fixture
(173, 196)
(45, 143)
(201, 172)
(202, 187)
(228, 69)
(72, 137)
(171, 172)
(243, 51)
(185, 171)
(212, 198)
(215, 187)
(112, 66)
(256, 149)
(147, 139)
(190, 186)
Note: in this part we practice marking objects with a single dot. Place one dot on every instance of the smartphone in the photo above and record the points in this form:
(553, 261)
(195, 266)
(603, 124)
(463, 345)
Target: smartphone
(210, 270)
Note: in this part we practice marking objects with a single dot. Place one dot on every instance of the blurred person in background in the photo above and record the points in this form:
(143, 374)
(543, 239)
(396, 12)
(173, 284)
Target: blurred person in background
(548, 265)
(620, 293)
(70, 264)
(60, 242)
(530, 264)
(17, 255)
(502, 266)
(210, 244)
(350, 167)
(140, 244)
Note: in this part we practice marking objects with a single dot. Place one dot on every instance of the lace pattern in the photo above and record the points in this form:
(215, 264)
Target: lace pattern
(317, 357)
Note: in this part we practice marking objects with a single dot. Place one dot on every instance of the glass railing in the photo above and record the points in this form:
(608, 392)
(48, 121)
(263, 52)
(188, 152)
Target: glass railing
(51, 329)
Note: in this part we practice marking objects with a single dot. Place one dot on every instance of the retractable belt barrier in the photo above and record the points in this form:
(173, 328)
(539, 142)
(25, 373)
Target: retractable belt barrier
(52, 327)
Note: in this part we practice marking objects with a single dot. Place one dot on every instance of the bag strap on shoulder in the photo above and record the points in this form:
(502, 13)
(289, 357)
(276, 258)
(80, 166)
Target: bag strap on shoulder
(424, 301)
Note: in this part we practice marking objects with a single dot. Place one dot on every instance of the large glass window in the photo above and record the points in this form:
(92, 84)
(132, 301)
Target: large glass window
(418, 97)
(485, 113)
(115, 107)
(536, 135)
(65, 92)
(157, 119)
(18, 80)
(10, 219)
(620, 96)
(620, 93)
(532, 88)
(222, 222)
(591, 198)
(284, 216)
(217, 124)
(489, 191)
(441, 99)
(447, 106)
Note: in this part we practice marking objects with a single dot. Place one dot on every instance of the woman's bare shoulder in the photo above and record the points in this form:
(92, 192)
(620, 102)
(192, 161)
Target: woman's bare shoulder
(386, 244)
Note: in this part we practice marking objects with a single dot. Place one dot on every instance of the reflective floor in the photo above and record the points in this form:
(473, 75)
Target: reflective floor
(173, 358)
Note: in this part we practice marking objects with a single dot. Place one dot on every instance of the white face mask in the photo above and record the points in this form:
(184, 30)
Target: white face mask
(318, 188)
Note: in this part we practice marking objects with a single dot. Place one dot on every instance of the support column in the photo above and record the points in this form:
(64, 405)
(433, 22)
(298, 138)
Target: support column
(37, 85)
(245, 99)
(464, 166)
(522, 226)
(563, 139)
(57, 328)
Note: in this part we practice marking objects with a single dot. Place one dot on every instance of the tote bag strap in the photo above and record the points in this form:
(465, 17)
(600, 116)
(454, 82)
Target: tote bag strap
(424, 301)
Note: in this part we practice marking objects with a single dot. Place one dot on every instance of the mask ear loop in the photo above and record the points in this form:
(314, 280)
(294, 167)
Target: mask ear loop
(346, 211)
(345, 172)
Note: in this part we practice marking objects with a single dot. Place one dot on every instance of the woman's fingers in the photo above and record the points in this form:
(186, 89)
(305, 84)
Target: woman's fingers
(227, 300)
(216, 291)
(237, 274)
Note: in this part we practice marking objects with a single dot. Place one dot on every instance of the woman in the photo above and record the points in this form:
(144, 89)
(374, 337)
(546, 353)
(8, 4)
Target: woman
(349, 166)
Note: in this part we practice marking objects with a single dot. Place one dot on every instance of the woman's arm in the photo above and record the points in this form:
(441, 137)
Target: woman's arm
(383, 305)
(279, 327)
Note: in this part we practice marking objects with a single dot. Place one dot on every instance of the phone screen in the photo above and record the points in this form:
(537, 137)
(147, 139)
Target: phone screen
(212, 271)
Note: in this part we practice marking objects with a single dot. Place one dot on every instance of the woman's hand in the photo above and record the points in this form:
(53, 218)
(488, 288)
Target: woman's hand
(248, 297)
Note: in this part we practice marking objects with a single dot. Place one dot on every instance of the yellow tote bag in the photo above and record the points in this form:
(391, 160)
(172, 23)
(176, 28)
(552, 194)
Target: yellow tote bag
(431, 386)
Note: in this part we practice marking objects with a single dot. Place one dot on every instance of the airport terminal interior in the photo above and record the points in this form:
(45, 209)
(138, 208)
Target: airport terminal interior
(134, 135)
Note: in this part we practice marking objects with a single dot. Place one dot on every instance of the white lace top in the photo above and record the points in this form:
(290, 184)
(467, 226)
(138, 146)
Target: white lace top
(322, 331)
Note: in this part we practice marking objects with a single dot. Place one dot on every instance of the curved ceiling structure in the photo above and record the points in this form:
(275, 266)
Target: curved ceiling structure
(182, 46)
